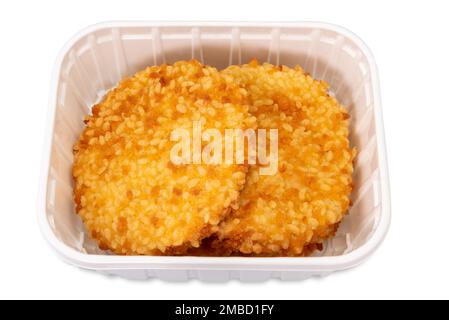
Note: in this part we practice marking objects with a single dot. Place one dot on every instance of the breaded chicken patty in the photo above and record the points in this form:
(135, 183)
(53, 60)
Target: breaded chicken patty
(132, 198)
(301, 205)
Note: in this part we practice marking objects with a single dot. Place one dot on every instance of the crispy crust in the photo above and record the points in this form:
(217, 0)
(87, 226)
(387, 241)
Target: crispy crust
(131, 197)
(293, 211)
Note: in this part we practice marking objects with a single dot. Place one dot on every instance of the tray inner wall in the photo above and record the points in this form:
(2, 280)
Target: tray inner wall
(97, 61)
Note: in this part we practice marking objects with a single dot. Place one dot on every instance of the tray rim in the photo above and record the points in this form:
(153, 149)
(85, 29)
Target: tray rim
(306, 264)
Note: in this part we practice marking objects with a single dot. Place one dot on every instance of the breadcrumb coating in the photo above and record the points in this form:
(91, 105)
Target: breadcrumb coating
(294, 210)
(131, 197)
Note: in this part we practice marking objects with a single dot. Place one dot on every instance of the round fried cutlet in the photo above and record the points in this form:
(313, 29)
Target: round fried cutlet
(131, 197)
(286, 213)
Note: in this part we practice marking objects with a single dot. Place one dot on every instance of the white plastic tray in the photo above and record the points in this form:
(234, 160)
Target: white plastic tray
(95, 59)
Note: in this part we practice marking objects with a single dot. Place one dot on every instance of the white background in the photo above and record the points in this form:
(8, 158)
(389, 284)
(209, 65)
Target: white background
(409, 40)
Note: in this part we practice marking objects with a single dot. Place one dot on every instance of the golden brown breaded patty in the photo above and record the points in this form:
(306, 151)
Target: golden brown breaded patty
(286, 213)
(131, 197)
